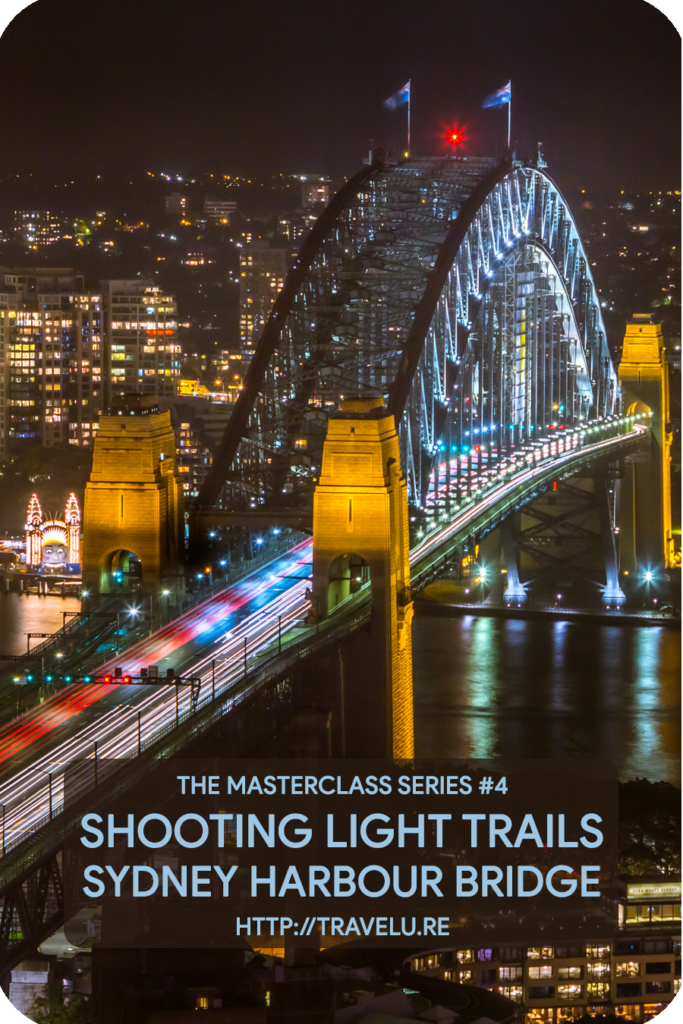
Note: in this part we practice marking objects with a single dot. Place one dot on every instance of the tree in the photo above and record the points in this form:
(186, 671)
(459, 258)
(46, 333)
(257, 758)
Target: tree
(649, 828)
(52, 1008)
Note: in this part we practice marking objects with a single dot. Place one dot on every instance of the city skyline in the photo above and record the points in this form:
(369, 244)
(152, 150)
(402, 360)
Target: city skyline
(274, 87)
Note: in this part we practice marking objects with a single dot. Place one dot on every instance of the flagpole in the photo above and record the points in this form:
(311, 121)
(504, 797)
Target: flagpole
(410, 89)
(509, 116)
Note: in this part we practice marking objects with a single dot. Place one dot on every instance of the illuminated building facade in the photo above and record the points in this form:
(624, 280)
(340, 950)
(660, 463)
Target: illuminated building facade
(262, 273)
(53, 543)
(633, 977)
(219, 211)
(51, 349)
(141, 343)
(295, 226)
(193, 457)
(315, 192)
(37, 228)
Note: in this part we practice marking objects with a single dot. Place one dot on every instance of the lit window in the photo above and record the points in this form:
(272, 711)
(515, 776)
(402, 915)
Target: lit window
(570, 991)
(542, 971)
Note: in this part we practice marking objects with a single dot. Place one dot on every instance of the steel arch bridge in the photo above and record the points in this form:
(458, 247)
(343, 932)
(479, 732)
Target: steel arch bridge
(456, 289)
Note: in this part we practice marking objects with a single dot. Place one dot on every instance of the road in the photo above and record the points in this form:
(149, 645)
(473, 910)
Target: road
(100, 720)
(109, 719)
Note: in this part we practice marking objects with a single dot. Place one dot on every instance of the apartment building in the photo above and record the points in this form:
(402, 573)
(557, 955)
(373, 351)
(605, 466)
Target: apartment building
(634, 977)
(141, 339)
(37, 228)
(65, 351)
(51, 358)
(263, 269)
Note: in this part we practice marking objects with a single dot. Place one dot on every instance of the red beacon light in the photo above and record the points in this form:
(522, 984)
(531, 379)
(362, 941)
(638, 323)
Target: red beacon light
(455, 137)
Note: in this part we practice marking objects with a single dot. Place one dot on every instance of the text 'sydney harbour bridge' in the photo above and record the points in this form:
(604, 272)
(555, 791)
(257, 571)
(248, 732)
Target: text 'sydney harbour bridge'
(435, 362)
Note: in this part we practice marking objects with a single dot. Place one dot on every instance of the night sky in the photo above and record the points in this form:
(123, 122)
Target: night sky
(270, 86)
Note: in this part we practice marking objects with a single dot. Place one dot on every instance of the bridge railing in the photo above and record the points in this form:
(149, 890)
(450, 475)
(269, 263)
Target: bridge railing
(109, 777)
(600, 439)
(527, 466)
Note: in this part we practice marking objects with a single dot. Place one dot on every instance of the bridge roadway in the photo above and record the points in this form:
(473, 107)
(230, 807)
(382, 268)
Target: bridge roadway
(109, 720)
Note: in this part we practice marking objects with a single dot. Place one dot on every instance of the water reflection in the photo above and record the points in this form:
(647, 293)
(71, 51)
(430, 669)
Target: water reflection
(487, 687)
(30, 613)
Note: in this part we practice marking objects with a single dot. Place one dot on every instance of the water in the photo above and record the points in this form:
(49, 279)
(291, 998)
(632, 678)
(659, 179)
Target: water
(30, 613)
(489, 687)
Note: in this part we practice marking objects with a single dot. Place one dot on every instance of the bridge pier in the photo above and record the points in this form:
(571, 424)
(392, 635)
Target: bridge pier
(515, 592)
(612, 594)
(646, 540)
(360, 526)
(133, 502)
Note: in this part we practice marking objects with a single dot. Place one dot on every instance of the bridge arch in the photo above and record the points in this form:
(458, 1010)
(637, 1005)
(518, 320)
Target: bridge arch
(393, 295)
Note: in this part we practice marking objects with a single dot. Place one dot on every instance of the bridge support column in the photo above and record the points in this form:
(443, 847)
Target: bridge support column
(645, 492)
(514, 590)
(133, 501)
(360, 519)
(612, 594)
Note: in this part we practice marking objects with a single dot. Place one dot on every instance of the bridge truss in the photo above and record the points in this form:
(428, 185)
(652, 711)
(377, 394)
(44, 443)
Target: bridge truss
(457, 289)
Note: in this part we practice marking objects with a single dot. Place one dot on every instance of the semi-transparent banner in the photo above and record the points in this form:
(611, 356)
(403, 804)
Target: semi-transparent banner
(272, 853)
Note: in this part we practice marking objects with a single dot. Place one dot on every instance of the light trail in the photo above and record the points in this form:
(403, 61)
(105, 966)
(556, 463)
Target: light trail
(218, 627)
(263, 600)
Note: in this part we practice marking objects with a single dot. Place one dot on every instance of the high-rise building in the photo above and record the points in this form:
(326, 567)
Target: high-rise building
(51, 356)
(37, 227)
(66, 351)
(263, 269)
(141, 342)
(219, 211)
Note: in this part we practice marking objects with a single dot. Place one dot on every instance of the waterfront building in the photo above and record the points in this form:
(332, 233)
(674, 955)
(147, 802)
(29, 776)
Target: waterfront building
(633, 977)
(263, 269)
(53, 543)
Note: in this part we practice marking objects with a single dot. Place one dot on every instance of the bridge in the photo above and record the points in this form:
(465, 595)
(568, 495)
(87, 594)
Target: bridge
(448, 306)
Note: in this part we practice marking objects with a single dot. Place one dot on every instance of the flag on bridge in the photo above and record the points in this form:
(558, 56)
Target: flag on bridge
(399, 98)
(497, 99)
(396, 101)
